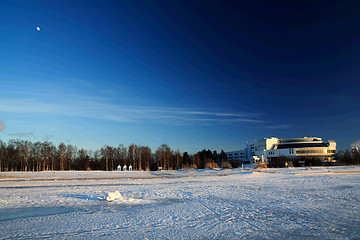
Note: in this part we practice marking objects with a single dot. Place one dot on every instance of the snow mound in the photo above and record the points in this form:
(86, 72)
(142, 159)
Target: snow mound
(111, 196)
(116, 197)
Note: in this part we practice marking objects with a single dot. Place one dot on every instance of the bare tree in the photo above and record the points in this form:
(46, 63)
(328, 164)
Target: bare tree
(122, 154)
(48, 156)
(132, 155)
(83, 160)
(25, 153)
(178, 160)
(146, 156)
(2, 153)
(106, 153)
(36, 152)
(62, 155)
(140, 159)
(163, 155)
(197, 161)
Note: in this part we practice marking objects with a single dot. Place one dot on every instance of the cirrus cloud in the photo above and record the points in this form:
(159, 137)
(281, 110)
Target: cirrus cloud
(26, 134)
(126, 113)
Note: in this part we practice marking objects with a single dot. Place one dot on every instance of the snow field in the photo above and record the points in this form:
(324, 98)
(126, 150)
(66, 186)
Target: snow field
(210, 204)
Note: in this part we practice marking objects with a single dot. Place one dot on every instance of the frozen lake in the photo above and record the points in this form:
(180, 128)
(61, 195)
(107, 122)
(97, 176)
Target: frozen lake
(322, 203)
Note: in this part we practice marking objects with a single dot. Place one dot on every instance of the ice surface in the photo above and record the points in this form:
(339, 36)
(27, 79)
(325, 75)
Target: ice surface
(299, 203)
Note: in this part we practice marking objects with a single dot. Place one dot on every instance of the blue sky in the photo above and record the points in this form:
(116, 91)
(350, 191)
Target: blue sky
(192, 74)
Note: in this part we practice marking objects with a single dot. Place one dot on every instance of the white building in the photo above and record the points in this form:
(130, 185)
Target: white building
(260, 147)
(303, 147)
(270, 148)
(240, 155)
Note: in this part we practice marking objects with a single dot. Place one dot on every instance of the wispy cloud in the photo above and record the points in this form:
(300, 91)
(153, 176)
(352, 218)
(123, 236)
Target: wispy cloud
(58, 99)
(1, 125)
(26, 134)
(281, 126)
(125, 113)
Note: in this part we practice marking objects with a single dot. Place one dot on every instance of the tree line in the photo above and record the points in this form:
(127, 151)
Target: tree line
(350, 157)
(23, 155)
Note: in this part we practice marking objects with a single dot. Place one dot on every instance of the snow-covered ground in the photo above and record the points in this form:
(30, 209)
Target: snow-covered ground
(301, 203)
